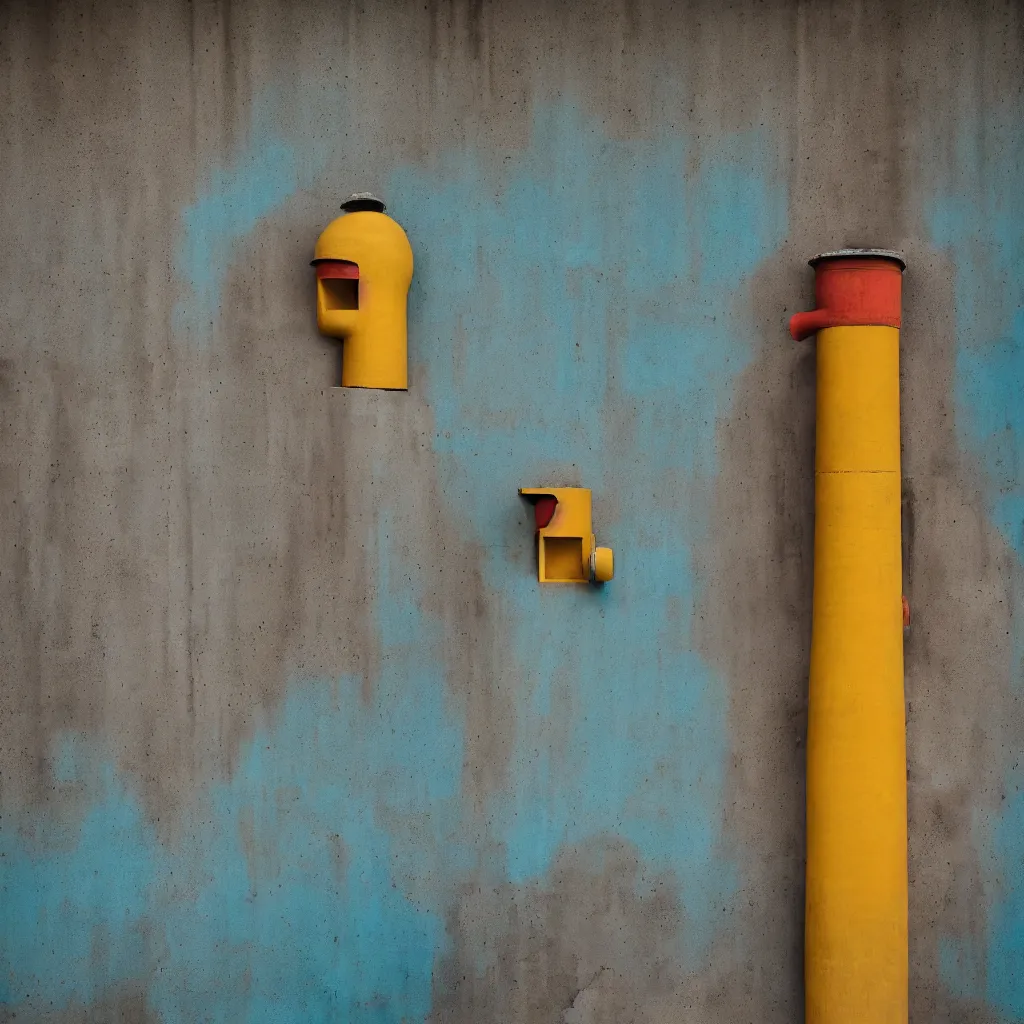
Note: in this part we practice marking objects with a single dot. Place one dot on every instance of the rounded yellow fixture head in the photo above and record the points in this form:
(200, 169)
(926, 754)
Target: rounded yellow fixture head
(363, 264)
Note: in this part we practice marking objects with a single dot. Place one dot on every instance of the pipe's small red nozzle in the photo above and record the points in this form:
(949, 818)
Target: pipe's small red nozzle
(803, 325)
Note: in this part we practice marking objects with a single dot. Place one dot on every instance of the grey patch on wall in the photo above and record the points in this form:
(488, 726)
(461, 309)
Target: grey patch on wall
(193, 513)
(754, 622)
(185, 530)
(594, 942)
(123, 1004)
(112, 422)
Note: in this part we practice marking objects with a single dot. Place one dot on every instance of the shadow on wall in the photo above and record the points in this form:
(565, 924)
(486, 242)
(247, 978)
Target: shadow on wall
(578, 315)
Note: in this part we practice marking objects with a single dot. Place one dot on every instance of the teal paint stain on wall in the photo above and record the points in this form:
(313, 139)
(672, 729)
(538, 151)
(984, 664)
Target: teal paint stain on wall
(284, 902)
(306, 887)
(979, 219)
(960, 967)
(981, 222)
(74, 897)
(578, 313)
(1004, 966)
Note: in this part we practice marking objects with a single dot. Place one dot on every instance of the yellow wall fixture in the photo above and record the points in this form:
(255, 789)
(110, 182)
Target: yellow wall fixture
(363, 264)
(566, 550)
(855, 965)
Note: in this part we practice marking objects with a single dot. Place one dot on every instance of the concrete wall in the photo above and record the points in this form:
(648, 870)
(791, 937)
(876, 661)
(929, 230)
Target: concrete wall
(288, 730)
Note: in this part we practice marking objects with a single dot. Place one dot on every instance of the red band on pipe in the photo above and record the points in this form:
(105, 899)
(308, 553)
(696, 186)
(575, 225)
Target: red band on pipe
(337, 268)
(852, 292)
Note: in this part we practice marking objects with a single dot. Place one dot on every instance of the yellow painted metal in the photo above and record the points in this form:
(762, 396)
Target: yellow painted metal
(856, 899)
(373, 326)
(566, 548)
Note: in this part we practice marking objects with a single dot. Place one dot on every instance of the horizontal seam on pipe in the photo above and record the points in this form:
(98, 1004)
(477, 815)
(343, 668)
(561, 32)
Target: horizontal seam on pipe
(837, 472)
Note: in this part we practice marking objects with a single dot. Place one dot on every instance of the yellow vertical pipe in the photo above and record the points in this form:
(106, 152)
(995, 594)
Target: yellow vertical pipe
(856, 909)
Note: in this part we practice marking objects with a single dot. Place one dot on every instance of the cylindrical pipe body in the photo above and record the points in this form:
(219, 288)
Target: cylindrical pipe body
(856, 899)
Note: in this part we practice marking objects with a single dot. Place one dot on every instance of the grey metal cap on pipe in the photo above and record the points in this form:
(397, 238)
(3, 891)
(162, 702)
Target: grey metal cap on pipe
(363, 201)
(838, 254)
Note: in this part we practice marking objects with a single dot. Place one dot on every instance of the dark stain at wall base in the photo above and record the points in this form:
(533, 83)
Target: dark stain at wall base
(595, 942)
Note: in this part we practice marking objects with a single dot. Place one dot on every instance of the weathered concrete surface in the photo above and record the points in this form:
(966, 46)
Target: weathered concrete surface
(287, 730)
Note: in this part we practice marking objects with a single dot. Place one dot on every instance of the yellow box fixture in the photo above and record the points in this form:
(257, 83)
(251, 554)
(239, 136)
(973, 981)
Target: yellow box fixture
(566, 550)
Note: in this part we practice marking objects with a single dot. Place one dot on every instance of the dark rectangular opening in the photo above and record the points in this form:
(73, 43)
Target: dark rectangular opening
(563, 559)
(340, 292)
